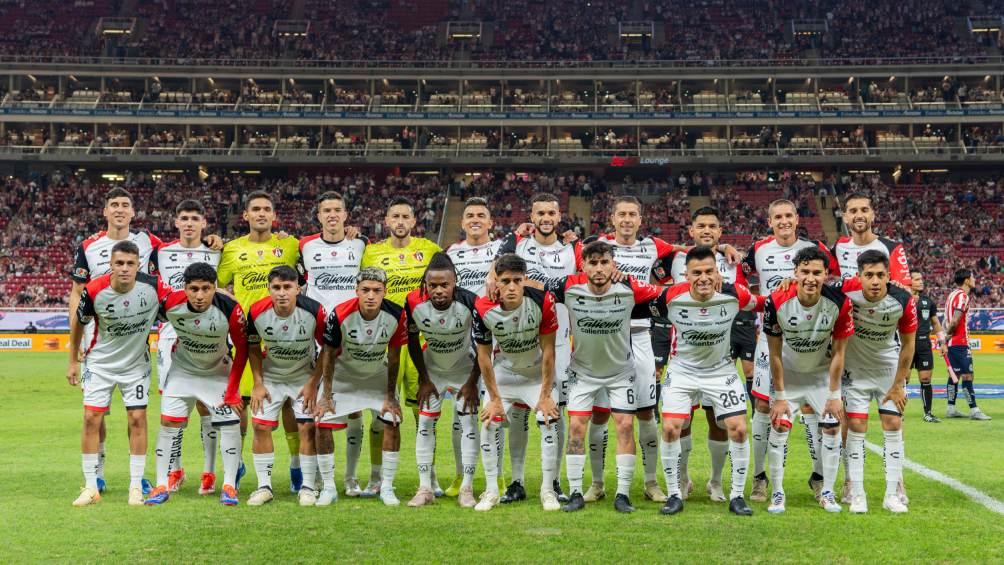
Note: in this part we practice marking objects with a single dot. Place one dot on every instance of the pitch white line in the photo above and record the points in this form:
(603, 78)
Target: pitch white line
(978, 496)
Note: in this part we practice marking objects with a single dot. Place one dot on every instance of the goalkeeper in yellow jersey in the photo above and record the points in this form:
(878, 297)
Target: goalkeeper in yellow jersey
(404, 258)
(246, 262)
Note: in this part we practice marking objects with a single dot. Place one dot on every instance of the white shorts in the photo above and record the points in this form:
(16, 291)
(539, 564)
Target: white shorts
(801, 389)
(562, 358)
(615, 394)
(434, 406)
(280, 391)
(352, 394)
(520, 391)
(682, 393)
(645, 386)
(98, 389)
(183, 391)
(166, 339)
(763, 385)
(861, 386)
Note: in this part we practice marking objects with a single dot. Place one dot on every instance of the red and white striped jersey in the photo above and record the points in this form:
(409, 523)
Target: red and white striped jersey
(330, 269)
(807, 330)
(958, 305)
(362, 344)
(201, 349)
(701, 341)
(447, 332)
(171, 259)
(289, 343)
(517, 332)
(94, 255)
(846, 253)
(119, 346)
(601, 323)
(875, 345)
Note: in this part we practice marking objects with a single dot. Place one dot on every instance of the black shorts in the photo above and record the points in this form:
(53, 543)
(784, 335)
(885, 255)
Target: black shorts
(743, 342)
(923, 359)
(660, 344)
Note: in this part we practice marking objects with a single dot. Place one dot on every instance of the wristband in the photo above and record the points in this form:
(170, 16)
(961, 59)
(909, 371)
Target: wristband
(779, 395)
(834, 395)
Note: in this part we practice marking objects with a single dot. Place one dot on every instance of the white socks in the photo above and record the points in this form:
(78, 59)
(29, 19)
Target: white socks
(209, 437)
(777, 452)
(574, 466)
(548, 458)
(830, 459)
(353, 446)
(230, 445)
(559, 441)
(856, 461)
(597, 450)
(456, 435)
(309, 470)
(519, 435)
(89, 462)
(740, 454)
(686, 446)
(670, 452)
(101, 460)
(893, 455)
(648, 442)
(468, 448)
(625, 472)
(326, 465)
(490, 456)
(718, 450)
(168, 451)
(137, 464)
(425, 448)
(376, 428)
(388, 470)
(263, 463)
(760, 430)
(814, 441)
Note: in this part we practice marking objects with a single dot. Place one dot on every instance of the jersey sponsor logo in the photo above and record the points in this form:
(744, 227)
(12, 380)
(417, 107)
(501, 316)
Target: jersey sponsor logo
(598, 326)
(253, 280)
(518, 345)
(122, 329)
(807, 345)
(331, 281)
(198, 347)
(871, 334)
(470, 277)
(701, 338)
(288, 353)
(440, 346)
(176, 280)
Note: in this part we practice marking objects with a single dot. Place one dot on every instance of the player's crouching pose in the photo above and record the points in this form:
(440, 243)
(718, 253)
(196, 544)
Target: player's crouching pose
(289, 326)
(879, 355)
(523, 322)
(201, 370)
(807, 327)
(702, 368)
(362, 351)
(123, 303)
(443, 312)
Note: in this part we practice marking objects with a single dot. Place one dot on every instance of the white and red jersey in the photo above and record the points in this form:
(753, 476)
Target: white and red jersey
(517, 332)
(289, 344)
(544, 262)
(201, 349)
(875, 344)
(601, 323)
(119, 346)
(646, 259)
(447, 332)
(94, 255)
(701, 341)
(329, 269)
(846, 253)
(169, 260)
(770, 262)
(957, 306)
(362, 344)
(732, 273)
(807, 330)
(474, 262)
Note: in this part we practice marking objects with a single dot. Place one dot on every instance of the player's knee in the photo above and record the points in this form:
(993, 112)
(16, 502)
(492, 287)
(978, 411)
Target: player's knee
(600, 418)
(93, 421)
(261, 429)
(137, 418)
(737, 432)
(762, 406)
(171, 423)
(830, 431)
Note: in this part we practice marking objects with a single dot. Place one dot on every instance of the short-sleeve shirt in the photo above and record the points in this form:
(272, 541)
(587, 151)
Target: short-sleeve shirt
(289, 344)
(447, 332)
(329, 269)
(807, 331)
(246, 264)
(94, 254)
(404, 266)
(875, 345)
(171, 259)
(362, 344)
(517, 332)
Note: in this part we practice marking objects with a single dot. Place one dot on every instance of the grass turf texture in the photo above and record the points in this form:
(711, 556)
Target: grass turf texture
(41, 474)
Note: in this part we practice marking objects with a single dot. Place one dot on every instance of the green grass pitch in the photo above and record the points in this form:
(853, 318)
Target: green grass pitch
(40, 475)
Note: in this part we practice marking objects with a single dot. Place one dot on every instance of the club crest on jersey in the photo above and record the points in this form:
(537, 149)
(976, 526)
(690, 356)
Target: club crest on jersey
(704, 311)
(277, 252)
(808, 316)
(369, 332)
(419, 256)
(125, 303)
(285, 327)
(197, 322)
(442, 321)
(515, 319)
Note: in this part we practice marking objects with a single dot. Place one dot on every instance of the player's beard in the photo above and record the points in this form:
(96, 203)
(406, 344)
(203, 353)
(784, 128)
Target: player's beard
(544, 233)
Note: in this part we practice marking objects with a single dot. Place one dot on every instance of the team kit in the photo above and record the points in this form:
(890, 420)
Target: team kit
(536, 326)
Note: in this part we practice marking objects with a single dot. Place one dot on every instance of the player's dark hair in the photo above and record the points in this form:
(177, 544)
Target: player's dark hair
(544, 197)
(117, 192)
(700, 253)
(190, 205)
(329, 195)
(510, 262)
(961, 275)
(872, 257)
(598, 247)
(199, 272)
(857, 196)
(401, 201)
(477, 201)
(126, 247)
(781, 202)
(282, 273)
(256, 194)
(440, 261)
(707, 211)
(809, 254)
(625, 199)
